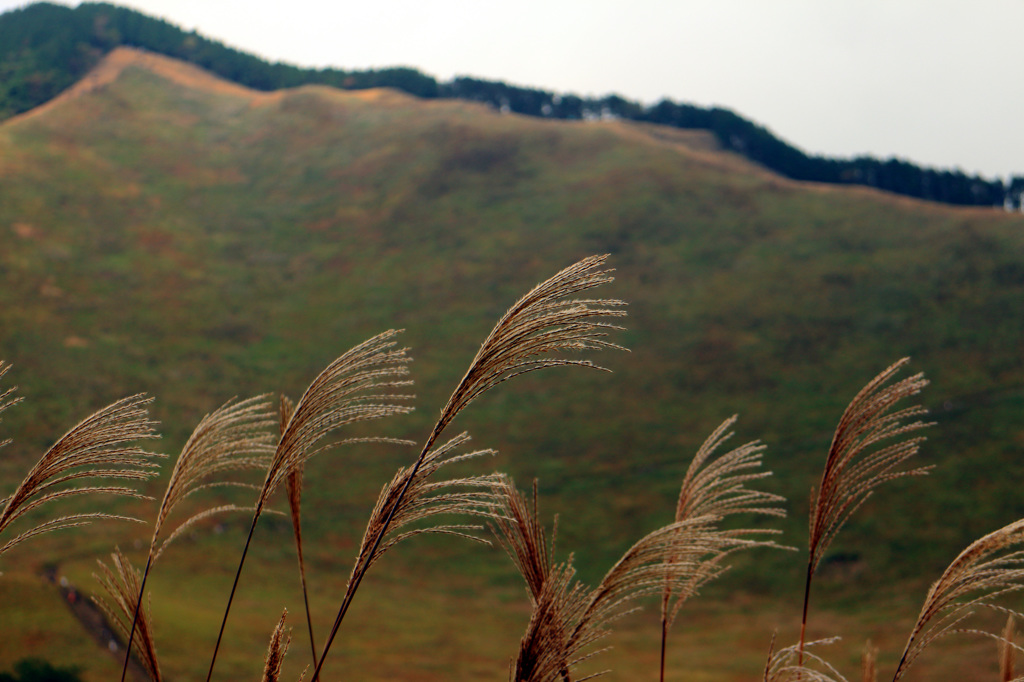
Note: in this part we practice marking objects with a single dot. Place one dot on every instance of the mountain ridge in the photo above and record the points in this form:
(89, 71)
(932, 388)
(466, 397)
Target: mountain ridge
(37, 64)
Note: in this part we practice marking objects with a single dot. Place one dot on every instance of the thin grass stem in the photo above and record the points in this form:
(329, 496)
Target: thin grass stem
(135, 618)
(234, 586)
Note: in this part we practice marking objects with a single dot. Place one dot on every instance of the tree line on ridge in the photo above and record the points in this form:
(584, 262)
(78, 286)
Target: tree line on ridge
(45, 48)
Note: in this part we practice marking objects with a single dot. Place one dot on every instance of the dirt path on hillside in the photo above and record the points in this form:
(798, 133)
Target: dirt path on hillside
(94, 622)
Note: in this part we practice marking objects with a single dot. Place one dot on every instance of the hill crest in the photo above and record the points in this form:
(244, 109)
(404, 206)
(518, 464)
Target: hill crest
(45, 48)
(110, 68)
(182, 73)
(701, 145)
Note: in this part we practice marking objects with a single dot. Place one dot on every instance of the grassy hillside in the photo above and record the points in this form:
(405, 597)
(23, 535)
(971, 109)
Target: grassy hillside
(167, 232)
(46, 47)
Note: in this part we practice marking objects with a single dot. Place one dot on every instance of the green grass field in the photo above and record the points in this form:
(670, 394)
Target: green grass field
(168, 234)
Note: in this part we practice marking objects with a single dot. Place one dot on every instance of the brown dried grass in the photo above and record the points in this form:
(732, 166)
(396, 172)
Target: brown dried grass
(280, 639)
(547, 321)
(96, 448)
(570, 618)
(1007, 652)
(358, 386)
(716, 487)
(123, 584)
(872, 443)
(991, 567)
(868, 449)
(233, 438)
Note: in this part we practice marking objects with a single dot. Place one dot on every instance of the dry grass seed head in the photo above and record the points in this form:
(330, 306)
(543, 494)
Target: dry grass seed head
(543, 322)
(544, 654)
(94, 448)
(985, 571)
(123, 583)
(1007, 653)
(568, 617)
(696, 548)
(784, 665)
(355, 387)
(234, 437)
(717, 487)
(423, 499)
(280, 639)
(869, 663)
(524, 539)
(7, 398)
(854, 467)
(558, 600)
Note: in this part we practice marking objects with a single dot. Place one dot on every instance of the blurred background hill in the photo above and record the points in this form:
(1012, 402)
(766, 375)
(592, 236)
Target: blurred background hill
(46, 47)
(169, 231)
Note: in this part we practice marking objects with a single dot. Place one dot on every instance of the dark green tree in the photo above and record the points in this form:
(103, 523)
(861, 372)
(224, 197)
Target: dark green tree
(37, 670)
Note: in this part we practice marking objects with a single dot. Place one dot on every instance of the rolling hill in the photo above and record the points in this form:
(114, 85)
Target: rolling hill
(170, 232)
(47, 47)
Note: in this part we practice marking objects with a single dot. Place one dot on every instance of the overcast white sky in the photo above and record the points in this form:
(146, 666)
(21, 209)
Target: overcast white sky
(938, 82)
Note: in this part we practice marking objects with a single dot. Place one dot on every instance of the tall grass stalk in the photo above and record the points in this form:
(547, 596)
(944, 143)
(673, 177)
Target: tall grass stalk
(867, 450)
(234, 437)
(358, 386)
(123, 584)
(568, 617)
(547, 320)
(96, 448)
(989, 568)
(715, 487)
(294, 483)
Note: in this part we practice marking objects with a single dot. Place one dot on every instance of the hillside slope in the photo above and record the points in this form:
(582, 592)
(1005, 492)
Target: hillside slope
(165, 231)
(46, 47)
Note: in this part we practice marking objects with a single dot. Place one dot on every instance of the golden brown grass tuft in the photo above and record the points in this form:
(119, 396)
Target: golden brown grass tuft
(123, 584)
(867, 450)
(358, 386)
(788, 665)
(568, 617)
(1007, 651)
(869, 663)
(988, 569)
(524, 539)
(425, 499)
(545, 322)
(685, 555)
(716, 487)
(412, 497)
(96, 448)
(544, 651)
(233, 437)
(280, 639)
(853, 469)
(7, 397)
